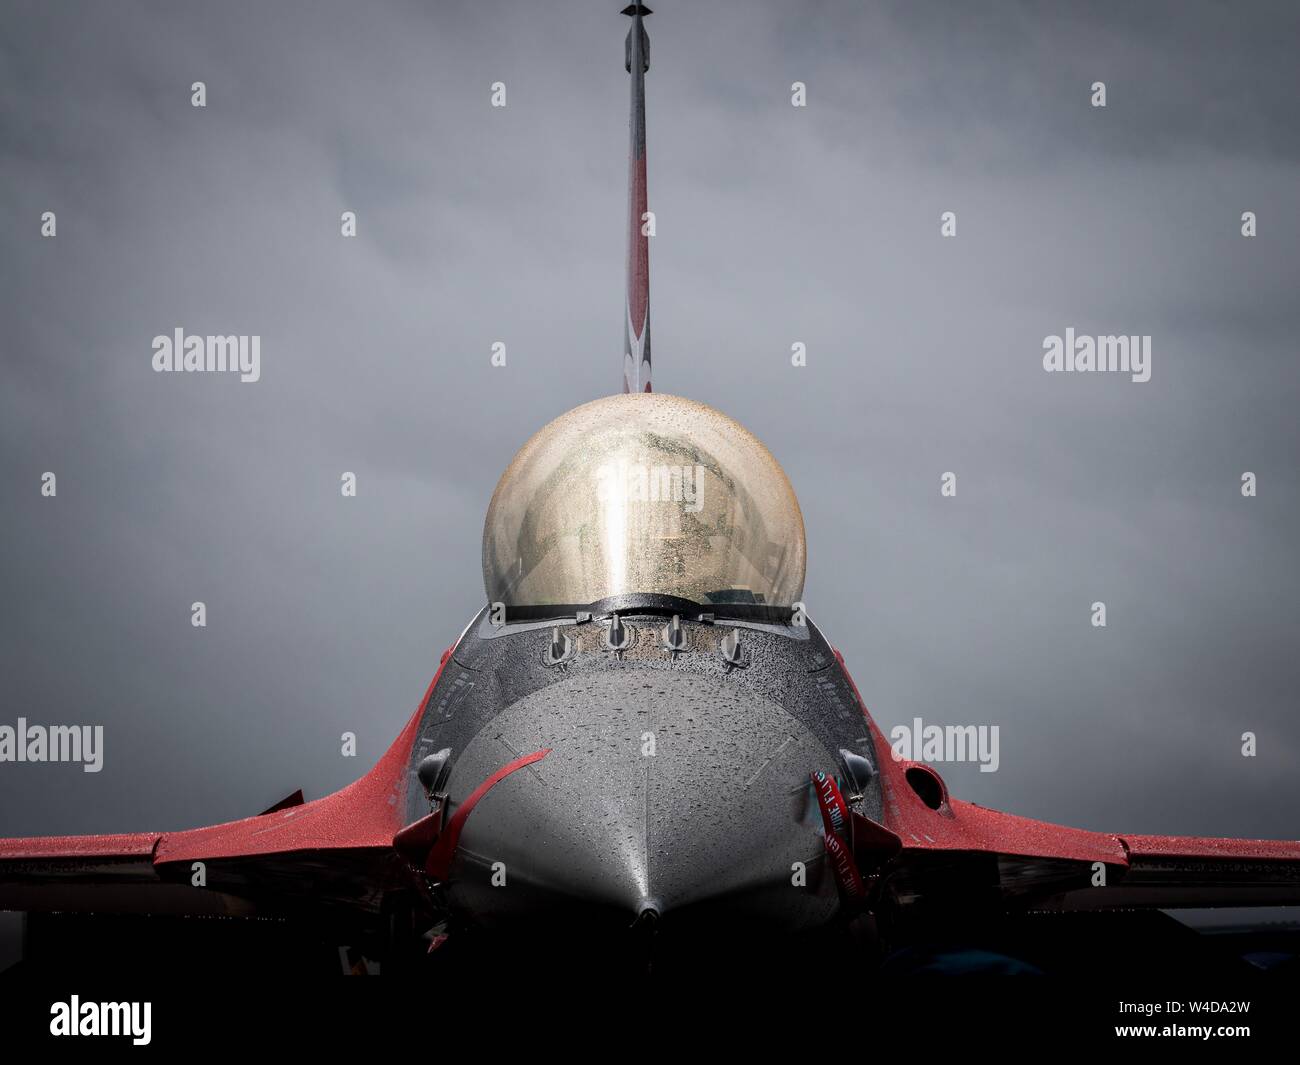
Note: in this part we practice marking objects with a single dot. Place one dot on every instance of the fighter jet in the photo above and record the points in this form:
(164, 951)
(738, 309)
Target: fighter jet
(642, 747)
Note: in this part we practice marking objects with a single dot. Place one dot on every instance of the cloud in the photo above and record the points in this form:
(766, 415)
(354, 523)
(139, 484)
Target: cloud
(775, 225)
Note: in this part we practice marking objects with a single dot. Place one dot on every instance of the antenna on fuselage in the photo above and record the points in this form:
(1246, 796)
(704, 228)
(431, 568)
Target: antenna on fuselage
(636, 318)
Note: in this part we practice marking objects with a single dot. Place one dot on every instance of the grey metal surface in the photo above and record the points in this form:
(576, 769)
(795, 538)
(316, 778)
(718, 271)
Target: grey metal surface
(676, 779)
(662, 790)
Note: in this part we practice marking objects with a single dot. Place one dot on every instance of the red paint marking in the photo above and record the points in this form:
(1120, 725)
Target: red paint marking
(439, 863)
(638, 296)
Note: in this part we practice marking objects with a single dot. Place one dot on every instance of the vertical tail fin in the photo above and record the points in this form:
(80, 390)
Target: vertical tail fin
(636, 322)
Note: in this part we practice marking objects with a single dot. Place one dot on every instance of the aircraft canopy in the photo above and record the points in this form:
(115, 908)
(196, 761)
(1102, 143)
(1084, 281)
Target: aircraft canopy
(643, 493)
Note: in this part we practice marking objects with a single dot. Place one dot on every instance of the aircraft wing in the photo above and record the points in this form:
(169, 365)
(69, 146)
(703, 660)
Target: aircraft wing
(931, 847)
(333, 853)
(943, 843)
(333, 849)
(1041, 866)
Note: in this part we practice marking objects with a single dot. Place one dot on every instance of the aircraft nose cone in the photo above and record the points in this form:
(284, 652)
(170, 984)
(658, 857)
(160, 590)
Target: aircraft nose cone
(663, 793)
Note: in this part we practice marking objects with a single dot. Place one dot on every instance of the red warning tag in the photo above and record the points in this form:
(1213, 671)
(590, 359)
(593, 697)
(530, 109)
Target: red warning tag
(835, 821)
(835, 811)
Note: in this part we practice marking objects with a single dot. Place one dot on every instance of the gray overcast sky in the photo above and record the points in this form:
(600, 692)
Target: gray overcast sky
(775, 225)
